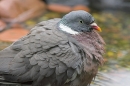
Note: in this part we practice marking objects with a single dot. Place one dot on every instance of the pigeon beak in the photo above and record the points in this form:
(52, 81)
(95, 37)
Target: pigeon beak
(96, 27)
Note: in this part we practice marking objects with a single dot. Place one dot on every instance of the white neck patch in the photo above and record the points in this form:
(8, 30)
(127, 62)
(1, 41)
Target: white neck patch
(67, 29)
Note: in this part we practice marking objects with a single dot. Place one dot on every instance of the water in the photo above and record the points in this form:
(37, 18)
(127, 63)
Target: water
(119, 77)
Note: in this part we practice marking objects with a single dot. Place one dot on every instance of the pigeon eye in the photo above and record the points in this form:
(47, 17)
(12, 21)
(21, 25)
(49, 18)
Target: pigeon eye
(81, 21)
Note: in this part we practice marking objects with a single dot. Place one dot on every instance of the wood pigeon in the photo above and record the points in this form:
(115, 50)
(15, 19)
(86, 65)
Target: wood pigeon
(56, 52)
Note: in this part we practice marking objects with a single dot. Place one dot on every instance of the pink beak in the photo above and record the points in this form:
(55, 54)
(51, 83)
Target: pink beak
(96, 27)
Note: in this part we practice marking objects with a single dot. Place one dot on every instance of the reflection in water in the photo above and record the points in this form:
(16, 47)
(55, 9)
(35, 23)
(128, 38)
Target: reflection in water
(119, 77)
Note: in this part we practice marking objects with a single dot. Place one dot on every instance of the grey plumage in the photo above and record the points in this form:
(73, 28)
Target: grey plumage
(47, 55)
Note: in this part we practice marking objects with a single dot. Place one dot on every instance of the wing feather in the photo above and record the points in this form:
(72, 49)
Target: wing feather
(44, 53)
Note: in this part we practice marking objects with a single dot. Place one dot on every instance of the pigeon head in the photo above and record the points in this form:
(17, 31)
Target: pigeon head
(77, 22)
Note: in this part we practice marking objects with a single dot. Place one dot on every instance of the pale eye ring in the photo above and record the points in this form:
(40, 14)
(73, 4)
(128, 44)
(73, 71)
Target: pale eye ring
(81, 21)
